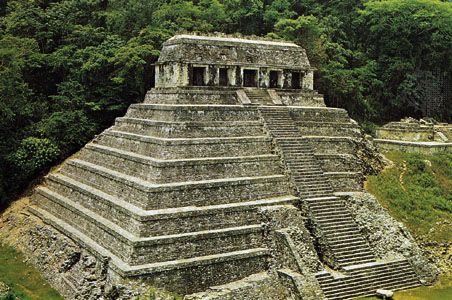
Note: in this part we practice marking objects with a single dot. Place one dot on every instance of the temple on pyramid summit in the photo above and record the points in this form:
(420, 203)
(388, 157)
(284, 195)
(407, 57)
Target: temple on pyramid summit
(232, 180)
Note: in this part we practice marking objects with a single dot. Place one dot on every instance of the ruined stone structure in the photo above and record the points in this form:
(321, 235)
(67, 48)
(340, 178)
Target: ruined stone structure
(232, 173)
(411, 135)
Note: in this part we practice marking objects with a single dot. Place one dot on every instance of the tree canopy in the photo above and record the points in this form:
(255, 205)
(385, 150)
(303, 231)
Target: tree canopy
(69, 67)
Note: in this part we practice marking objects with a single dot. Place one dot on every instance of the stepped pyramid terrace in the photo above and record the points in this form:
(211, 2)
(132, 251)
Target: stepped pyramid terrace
(232, 180)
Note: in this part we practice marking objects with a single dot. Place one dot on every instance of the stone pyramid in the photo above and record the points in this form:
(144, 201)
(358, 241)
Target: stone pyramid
(217, 178)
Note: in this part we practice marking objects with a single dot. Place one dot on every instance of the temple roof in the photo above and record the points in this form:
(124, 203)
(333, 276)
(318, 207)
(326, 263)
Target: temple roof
(233, 51)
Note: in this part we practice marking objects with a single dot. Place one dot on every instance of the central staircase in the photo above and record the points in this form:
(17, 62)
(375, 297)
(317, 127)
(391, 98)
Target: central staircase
(258, 96)
(343, 245)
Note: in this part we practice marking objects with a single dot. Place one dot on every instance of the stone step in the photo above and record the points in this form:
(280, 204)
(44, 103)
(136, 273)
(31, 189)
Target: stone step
(157, 196)
(138, 250)
(307, 173)
(307, 194)
(353, 283)
(308, 169)
(372, 281)
(304, 165)
(162, 171)
(294, 156)
(342, 229)
(367, 284)
(347, 243)
(302, 153)
(298, 153)
(161, 221)
(316, 182)
(311, 181)
(386, 266)
(163, 148)
(188, 129)
(338, 226)
(283, 135)
(359, 248)
(282, 125)
(353, 259)
(332, 212)
(373, 275)
(314, 190)
(325, 207)
(302, 161)
(296, 142)
(332, 220)
(326, 210)
(344, 232)
(281, 131)
(180, 275)
(363, 253)
(342, 242)
(192, 113)
(340, 239)
(324, 200)
(321, 207)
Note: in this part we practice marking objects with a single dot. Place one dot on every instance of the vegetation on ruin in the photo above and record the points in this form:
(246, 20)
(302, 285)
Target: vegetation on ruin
(69, 67)
(24, 281)
(440, 291)
(417, 190)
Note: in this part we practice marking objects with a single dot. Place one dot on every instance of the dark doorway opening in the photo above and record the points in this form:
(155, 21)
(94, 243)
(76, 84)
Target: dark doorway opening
(198, 76)
(273, 79)
(223, 72)
(296, 80)
(250, 78)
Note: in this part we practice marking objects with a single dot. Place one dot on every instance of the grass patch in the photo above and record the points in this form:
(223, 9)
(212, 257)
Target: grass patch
(25, 281)
(440, 291)
(417, 190)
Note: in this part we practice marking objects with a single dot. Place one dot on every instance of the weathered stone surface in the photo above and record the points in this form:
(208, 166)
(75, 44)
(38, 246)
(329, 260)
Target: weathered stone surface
(261, 286)
(388, 238)
(422, 136)
(72, 270)
(385, 294)
(195, 189)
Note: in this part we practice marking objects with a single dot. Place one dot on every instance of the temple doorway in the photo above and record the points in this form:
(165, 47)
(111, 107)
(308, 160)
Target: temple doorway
(249, 78)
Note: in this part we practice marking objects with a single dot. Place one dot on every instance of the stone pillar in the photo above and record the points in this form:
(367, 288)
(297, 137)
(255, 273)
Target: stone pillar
(211, 78)
(183, 75)
(308, 80)
(232, 76)
(264, 78)
(287, 79)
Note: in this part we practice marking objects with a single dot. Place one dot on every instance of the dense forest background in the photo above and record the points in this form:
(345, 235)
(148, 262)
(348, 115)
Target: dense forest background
(69, 67)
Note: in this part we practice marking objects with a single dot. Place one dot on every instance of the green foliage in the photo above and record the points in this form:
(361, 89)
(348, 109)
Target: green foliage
(369, 128)
(418, 191)
(69, 67)
(24, 281)
(34, 154)
(9, 296)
